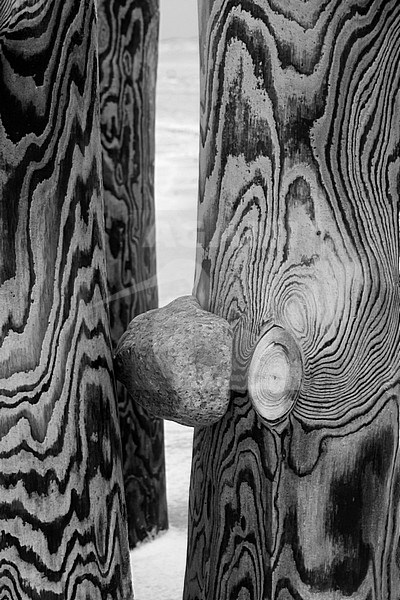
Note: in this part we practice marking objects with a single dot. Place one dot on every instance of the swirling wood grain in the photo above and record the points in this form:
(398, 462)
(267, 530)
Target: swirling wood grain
(128, 36)
(298, 210)
(62, 510)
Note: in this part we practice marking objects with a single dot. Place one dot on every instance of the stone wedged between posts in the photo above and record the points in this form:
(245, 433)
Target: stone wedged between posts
(176, 362)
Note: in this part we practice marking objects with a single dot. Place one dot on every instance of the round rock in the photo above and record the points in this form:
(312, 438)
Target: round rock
(176, 362)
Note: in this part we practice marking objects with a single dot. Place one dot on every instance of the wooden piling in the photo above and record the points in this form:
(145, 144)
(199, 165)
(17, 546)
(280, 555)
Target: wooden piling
(298, 214)
(128, 49)
(62, 510)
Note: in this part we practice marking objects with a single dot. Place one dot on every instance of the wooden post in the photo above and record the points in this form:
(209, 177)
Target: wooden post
(62, 510)
(299, 251)
(128, 38)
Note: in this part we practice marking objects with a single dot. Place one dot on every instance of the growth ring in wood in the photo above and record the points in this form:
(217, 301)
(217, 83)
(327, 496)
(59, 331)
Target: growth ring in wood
(275, 375)
(176, 362)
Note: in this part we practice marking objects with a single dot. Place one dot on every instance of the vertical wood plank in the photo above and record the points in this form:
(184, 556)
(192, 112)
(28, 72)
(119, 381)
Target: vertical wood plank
(128, 38)
(298, 214)
(62, 511)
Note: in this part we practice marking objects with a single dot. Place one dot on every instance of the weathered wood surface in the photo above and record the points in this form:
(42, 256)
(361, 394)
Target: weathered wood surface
(62, 511)
(128, 38)
(298, 214)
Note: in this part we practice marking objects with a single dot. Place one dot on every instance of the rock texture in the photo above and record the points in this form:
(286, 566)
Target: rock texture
(176, 362)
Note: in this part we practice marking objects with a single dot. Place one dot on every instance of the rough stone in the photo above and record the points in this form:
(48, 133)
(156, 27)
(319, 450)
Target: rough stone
(176, 362)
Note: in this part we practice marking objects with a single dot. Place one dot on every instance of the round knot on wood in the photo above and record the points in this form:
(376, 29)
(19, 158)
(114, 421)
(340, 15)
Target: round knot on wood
(275, 375)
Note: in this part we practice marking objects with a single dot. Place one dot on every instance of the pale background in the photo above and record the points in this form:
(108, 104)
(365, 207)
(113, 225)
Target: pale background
(178, 19)
(177, 125)
(158, 567)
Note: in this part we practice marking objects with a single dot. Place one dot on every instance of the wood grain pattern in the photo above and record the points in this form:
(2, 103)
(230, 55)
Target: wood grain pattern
(128, 37)
(298, 214)
(62, 511)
